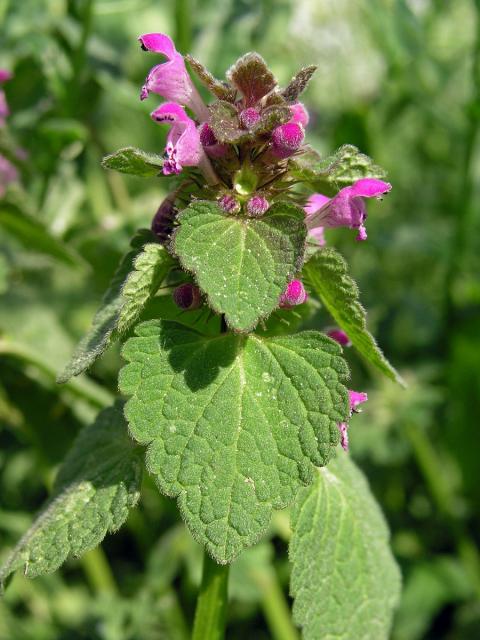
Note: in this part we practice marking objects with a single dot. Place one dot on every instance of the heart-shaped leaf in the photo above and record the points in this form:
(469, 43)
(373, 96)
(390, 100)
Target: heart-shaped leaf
(233, 424)
(242, 264)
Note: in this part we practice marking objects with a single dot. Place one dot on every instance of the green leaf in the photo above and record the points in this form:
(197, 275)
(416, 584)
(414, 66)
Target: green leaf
(242, 264)
(136, 279)
(298, 83)
(134, 161)
(219, 89)
(327, 273)
(343, 168)
(344, 581)
(96, 486)
(225, 123)
(251, 76)
(233, 424)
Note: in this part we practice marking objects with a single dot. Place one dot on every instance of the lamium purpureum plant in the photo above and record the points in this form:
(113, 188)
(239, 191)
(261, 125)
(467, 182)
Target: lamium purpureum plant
(240, 413)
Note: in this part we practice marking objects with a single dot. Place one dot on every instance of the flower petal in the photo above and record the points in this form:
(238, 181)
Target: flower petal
(369, 188)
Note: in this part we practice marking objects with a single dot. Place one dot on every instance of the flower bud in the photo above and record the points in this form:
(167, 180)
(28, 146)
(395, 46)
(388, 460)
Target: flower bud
(207, 137)
(229, 204)
(162, 223)
(286, 139)
(339, 336)
(299, 114)
(257, 206)
(294, 294)
(249, 118)
(187, 296)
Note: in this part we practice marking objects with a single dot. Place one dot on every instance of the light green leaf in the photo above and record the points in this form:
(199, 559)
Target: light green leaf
(233, 424)
(327, 274)
(96, 486)
(242, 264)
(134, 161)
(345, 581)
(137, 278)
(343, 168)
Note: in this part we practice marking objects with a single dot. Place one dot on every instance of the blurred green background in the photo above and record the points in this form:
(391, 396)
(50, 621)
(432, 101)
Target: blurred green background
(398, 78)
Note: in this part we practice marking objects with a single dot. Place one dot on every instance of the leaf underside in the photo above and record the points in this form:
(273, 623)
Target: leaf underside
(233, 424)
(327, 274)
(344, 581)
(136, 279)
(242, 264)
(96, 486)
(134, 162)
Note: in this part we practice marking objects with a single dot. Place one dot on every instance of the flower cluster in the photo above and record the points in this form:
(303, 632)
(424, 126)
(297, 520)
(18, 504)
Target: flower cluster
(8, 173)
(242, 151)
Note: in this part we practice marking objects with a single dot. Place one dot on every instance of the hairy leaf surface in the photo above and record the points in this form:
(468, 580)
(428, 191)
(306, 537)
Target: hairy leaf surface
(96, 486)
(233, 424)
(137, 278)
(242, 264)
(345, 581)
(343, 168)
(327, 273)
(134, 162)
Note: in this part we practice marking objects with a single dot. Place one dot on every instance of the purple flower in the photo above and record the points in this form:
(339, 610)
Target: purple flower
(187, 296)
(294, 294)
(229, 203)
(299, 114)
(355, 398)
(249, 117)
(257, 206)
(170, 79)
(8, 174)
(286, 139)
(339, 336)
(347, 208)
(183, 140)
(210, 143)
(313, 204)
(162, 223)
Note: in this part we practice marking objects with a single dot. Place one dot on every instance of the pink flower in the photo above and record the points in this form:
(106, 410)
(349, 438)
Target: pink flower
(347, 208)
(339, 336)
(249, 117)
(286, 139)
(355, 398)
(170, 79)
(294, 294)
(183, 140)
(299, 114)
(187, 296)
(4, 110)
(314, 203)
(257, 206)
(229, 203)
(8, 174)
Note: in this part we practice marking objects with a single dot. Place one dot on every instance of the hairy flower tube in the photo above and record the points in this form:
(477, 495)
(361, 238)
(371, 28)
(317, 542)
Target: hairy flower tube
(347, 208)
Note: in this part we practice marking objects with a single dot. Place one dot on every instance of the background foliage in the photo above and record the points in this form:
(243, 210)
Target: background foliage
(398, 78)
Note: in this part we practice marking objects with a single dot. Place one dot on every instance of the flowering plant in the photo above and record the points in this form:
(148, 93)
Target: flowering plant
(239, 413)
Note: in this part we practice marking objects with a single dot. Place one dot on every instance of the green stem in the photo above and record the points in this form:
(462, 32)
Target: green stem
(275, 607)
(211, 612)
(98, 572)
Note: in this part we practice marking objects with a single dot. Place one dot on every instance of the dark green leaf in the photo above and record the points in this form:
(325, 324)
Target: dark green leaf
(233, 424)
(96, 486)
(327, 273)
(134, 161)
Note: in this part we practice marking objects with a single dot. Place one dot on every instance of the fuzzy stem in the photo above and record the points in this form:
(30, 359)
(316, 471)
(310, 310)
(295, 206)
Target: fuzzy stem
(211, 612)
